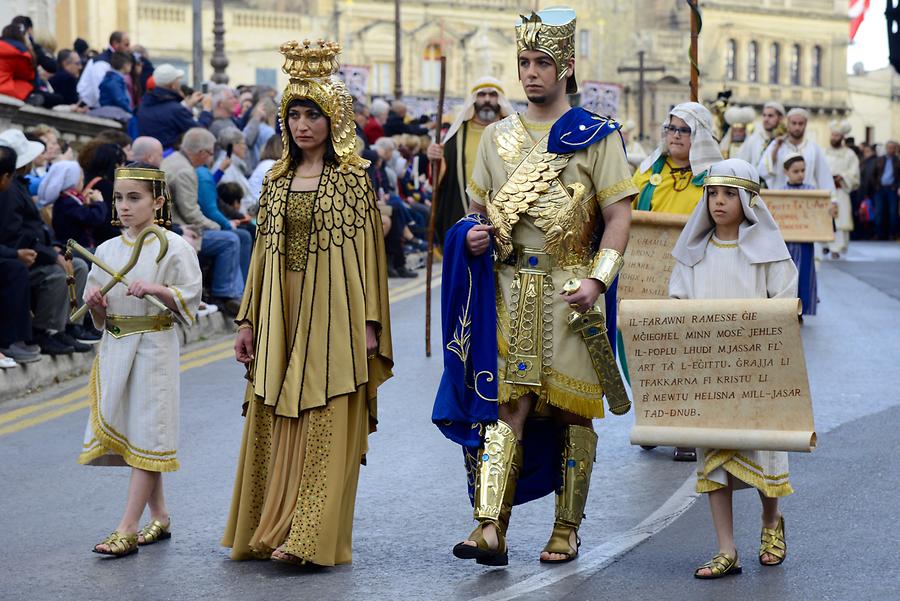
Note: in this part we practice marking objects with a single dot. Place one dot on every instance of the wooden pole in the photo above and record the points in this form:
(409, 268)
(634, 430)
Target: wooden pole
(435, 185)
(695, 35)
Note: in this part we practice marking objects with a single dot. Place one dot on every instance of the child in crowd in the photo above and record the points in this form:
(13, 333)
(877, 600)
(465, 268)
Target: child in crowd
(134, 384)
(803, 253)
(230, 196)
(731, 248)
(75, 213)
(113, 87)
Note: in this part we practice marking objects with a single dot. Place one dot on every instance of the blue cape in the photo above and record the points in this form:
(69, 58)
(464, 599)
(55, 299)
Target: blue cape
(578, 129)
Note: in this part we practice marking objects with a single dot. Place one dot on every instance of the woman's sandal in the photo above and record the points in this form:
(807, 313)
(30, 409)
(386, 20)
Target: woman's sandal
(119, 544)
(154, 532)
(774, 543)
(560, 544)
(481, 552)
(291, 559)
(720, 566)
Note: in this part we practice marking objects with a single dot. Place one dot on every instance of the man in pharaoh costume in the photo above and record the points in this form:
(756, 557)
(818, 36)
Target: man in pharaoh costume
(314, 329)
(739, 119)
(486, 104)
(527, 347)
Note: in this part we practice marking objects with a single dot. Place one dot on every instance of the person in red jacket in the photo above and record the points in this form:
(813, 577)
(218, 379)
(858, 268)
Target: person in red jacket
(16, 63)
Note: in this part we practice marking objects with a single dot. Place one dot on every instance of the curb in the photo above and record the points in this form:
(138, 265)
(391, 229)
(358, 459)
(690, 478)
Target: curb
(31, 377)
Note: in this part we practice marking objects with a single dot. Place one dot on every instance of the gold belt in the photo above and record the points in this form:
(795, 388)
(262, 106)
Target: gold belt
(535, 259)
(120, 326)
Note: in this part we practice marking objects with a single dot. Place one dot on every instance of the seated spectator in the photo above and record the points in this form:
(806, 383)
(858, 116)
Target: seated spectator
(207, 198)
(15, 302)
(224, 108)
(230, 196)
(114, 89)
(378, 114)
(271, 152)
(21, 228)
(96, 68)
(259, 129)
(396, 122)
(100, 175)
(165, 114)
(75, 216)
(231, 138)
(43, 59)
(223, 248)
(65, 80)
(17, 72)
(147, 150)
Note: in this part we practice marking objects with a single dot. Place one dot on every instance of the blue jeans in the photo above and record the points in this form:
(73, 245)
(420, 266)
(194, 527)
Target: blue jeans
(246, 247)
(224, 250)
(886, 214)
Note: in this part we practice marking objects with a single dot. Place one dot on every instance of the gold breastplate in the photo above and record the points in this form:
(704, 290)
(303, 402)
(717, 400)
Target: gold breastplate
(533, 187)
(299, 222)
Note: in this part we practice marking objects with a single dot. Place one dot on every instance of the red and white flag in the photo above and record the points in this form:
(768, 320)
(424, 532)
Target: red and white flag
(858, 10)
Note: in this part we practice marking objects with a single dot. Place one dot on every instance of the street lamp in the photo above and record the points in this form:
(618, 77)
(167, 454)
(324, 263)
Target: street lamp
(219, 62)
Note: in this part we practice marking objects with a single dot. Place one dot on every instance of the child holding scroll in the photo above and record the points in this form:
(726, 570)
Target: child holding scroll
(803, 253)
(731, 248)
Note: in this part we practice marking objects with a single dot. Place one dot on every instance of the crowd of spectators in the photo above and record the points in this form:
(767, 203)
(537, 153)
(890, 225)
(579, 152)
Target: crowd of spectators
(875, 203)
(215, 147)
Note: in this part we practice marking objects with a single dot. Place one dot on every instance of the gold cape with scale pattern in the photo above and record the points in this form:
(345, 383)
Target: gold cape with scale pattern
(344, 286)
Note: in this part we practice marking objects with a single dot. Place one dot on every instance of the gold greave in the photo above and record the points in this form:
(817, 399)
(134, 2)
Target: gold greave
(494, 468)
(510, 495)
(578, 461)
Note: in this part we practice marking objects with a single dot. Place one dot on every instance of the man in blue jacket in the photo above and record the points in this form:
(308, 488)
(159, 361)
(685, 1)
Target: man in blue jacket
(165, 114)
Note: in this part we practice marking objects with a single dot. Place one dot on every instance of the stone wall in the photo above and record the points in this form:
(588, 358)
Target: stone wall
(73, 127)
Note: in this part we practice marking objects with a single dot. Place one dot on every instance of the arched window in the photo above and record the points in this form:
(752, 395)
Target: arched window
(816, 67)
(431, 67)
(731, 60)
(753, 62)
(774, 62)
(795, 65)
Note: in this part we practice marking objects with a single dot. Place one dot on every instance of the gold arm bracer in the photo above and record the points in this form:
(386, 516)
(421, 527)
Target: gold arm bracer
(606, 266)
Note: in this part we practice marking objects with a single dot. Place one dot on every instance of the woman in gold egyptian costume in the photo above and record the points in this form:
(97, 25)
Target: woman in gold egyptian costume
(314, 330)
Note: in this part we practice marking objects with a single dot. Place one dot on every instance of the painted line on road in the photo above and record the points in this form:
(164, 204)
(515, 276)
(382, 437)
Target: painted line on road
(78, 399)
(82, 392)
(599, 557)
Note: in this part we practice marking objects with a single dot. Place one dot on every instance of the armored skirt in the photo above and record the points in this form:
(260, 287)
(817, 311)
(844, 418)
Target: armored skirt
(134, 383)
(318, 275)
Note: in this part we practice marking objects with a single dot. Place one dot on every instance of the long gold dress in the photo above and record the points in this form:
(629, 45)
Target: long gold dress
(317, 276)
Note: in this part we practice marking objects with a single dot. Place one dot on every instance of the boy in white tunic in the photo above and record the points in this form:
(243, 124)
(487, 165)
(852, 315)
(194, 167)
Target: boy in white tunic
(731, 248)
(134, 380)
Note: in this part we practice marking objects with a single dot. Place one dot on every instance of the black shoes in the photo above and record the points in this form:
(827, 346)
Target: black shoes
(68, 340)
(229, 306)
(401, 272)
(51, 346)
(85, 334)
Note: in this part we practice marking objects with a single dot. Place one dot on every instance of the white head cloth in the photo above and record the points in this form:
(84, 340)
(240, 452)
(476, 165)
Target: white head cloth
(60, 177)
(739, 115)
(704, 147)
(758, 236)
(798, 112)
(840, 127)
(467, 110)
(790, 157)
(774, 104)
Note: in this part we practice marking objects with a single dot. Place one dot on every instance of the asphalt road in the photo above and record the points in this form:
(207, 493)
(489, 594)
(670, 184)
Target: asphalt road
(412, 505)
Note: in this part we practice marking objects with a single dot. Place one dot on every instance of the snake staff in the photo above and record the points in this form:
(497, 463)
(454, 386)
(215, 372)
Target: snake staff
(119, 276)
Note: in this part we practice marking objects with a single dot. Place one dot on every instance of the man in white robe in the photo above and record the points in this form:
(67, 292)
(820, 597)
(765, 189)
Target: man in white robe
(818, 174)
(844, 165)
(772, 123)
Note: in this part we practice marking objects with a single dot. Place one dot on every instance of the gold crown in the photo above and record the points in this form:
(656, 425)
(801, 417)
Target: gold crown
(551, 31)
(308, 60)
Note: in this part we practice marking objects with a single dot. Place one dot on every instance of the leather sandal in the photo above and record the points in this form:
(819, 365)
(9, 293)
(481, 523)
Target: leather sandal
(289, 558)
(480, 551)
(119, 544)
(773, 542)
(154, 531)
(720, 566)
(559, 544)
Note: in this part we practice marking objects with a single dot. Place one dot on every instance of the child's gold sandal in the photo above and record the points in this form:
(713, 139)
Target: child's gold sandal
(719, 566)
(119, 544)
(154, 532)
(773, 542)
